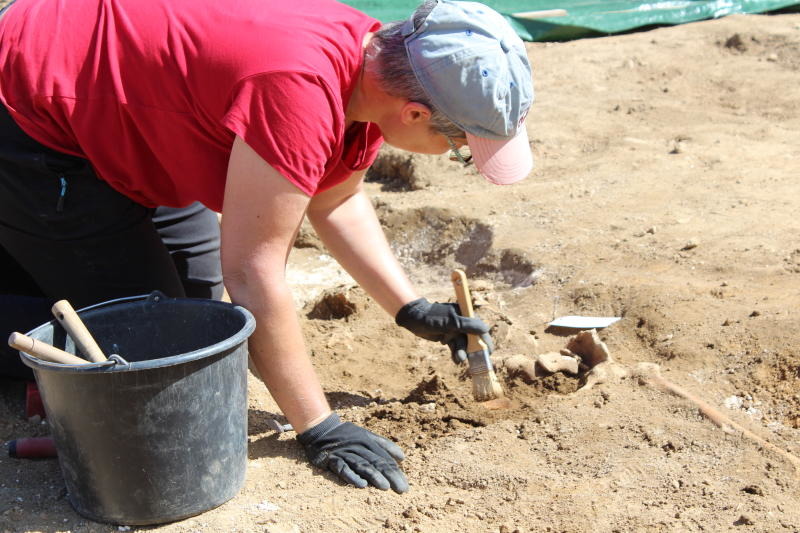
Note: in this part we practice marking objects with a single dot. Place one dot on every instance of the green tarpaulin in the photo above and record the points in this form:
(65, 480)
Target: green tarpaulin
(583, 18)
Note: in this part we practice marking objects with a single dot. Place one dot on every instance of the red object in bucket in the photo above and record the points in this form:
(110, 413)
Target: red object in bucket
(33, 401)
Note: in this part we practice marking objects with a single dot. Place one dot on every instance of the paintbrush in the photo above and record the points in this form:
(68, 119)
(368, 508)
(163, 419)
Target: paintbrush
(485, 385)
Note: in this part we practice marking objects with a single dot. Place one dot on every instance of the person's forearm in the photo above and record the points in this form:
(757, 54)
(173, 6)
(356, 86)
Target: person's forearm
(353, 235)
(279, 354)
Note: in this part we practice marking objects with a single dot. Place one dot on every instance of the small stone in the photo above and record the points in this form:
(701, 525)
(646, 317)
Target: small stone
(267, 506)
(772, 58)
(733, 402)
(428, 407)
(690, 245)
(744, 520)
(755, 313)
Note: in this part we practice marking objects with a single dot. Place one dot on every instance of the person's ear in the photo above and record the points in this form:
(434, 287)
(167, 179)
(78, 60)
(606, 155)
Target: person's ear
(413, 112)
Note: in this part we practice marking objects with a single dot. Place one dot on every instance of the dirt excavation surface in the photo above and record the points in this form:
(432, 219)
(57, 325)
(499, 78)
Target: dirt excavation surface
(665, 193)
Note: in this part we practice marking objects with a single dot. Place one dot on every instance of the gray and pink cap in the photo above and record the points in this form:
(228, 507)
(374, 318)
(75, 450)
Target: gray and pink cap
(474, 68)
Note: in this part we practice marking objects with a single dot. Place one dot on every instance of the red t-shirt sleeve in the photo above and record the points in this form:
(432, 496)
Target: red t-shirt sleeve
(291, 119)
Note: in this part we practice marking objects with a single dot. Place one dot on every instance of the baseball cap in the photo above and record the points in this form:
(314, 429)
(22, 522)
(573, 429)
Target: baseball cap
(475, 70)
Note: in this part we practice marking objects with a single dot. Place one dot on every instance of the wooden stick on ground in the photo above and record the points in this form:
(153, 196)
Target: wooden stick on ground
(717, 417)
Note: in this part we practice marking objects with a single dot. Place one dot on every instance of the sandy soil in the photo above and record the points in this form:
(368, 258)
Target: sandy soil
(665, 193)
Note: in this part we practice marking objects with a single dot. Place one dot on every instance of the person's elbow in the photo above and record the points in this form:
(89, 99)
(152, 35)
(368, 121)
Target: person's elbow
(252, 283)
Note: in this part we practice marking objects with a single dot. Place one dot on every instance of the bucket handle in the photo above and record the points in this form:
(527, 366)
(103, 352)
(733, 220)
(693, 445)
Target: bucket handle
(116, 359)
(154, 297)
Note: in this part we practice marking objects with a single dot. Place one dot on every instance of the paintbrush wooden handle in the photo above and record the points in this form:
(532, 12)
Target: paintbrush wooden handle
(68, 318)
(464, 298)
(485, 385)
(42, 350)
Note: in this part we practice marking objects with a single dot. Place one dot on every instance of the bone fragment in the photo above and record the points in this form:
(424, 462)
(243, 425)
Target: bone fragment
(521, 364)
(606, 372)
(589, 347)
(553, 362)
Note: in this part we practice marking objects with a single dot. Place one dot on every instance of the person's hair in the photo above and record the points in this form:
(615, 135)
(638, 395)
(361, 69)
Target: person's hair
(391, 66)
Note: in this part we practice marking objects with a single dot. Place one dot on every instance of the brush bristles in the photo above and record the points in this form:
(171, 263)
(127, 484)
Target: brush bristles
(485, 386)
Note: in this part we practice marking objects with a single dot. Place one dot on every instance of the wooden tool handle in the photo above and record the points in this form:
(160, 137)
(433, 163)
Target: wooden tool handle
(459, 277)
(68, 318)
(541, 14)
(42, 350)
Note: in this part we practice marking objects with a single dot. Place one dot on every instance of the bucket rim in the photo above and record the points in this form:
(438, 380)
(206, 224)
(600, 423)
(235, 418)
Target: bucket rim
(115, 363)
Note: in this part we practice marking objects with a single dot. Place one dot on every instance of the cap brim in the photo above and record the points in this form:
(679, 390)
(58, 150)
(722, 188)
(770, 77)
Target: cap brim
(502, 162)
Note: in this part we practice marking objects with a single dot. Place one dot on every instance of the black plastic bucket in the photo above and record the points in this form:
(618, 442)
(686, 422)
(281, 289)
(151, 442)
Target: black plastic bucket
(159, 432)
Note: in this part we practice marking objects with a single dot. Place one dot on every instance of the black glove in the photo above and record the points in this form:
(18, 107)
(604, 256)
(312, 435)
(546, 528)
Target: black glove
(355, 454)
(442, 323)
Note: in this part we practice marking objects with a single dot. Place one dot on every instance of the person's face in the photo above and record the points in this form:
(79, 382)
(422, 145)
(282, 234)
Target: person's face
(409, 129)
(419, 139)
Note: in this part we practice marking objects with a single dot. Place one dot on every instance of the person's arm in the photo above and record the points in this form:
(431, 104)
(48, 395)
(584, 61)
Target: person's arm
(262, 213)
(345, 221)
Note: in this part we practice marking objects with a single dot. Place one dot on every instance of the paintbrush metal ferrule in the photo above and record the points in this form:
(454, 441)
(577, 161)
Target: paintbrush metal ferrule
(479, 362)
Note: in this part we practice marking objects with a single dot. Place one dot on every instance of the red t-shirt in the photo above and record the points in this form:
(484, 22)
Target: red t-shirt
(152, 92)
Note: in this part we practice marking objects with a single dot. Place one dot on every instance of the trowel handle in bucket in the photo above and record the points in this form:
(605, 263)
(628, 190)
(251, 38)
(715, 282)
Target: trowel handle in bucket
(68, 318)
(42, 350)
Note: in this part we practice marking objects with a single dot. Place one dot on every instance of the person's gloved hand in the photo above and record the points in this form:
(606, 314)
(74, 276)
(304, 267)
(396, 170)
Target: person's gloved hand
(442, 323)
(356, 455)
